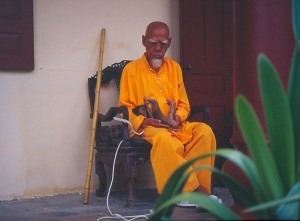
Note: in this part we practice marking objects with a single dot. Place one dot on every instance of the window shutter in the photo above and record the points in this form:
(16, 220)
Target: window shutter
(16, 35)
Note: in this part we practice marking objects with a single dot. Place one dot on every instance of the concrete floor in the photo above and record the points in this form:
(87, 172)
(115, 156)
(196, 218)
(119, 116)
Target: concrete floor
(70, 207)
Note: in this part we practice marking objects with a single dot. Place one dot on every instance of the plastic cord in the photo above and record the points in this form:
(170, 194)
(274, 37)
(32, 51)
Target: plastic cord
(115, 215)
(128, 122)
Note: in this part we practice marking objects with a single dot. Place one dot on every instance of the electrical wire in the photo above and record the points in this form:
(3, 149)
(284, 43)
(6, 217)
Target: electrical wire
(128, 122)
(115, 215)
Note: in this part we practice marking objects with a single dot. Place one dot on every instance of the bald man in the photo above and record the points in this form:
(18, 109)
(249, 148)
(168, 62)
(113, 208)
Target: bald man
(158, 77)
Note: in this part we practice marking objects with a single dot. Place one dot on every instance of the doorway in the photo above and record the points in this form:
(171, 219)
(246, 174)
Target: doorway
(206, 54)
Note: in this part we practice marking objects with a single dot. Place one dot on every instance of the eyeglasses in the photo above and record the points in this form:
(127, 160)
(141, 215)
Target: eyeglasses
(163, 43)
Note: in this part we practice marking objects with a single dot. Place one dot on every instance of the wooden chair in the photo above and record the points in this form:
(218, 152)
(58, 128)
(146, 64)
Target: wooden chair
(132, 151)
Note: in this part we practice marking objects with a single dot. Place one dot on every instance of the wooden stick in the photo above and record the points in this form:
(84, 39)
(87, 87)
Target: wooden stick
(94, 123)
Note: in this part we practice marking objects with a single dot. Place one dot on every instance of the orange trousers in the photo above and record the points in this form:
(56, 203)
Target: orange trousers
(172, 149)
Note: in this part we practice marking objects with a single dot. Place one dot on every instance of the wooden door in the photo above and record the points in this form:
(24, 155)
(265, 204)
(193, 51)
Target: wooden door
(206, 58)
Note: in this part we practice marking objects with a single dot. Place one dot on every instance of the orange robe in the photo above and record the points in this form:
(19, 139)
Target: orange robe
(170, 149)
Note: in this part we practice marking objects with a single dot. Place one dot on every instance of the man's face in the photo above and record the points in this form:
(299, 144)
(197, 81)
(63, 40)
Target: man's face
(156, 43)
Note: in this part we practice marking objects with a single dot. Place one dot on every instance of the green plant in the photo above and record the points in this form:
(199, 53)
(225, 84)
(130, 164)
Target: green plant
(273, 169)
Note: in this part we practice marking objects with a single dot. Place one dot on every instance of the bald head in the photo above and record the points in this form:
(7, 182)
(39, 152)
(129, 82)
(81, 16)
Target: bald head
(157, 26)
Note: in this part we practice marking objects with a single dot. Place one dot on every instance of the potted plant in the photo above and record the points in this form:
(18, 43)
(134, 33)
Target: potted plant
(273, 165)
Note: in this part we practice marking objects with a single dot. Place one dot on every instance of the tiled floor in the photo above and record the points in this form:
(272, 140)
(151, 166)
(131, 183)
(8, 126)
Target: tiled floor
(69, 207)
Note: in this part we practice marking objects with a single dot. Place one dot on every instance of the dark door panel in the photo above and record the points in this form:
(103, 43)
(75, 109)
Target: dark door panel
(206, 36)
(16, 35)
(206, 58)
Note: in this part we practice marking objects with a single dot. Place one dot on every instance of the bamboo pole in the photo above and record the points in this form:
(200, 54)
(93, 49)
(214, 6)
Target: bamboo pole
(94, 122)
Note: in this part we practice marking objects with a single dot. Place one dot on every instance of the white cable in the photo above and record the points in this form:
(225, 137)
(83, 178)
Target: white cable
(128, 122)
(115, 215)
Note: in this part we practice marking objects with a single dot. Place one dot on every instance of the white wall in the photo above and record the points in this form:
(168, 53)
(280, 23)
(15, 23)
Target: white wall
(44, 114)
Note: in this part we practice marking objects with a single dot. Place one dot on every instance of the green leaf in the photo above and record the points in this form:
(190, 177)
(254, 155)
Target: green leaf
(239, 191)
(258, 148)
(274, 203)
(296, 18)
(288, 207)
(293, 95)
(279, 121)
(177, 179)
(247, 166)
(290, 211)
(218, 210)
(236, 188)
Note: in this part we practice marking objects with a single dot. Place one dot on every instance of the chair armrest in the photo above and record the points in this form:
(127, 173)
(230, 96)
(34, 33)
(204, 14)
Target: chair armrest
(111, 113)
(201, 109)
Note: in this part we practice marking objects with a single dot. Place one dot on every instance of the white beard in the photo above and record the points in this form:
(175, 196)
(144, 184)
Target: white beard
(156, 62)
